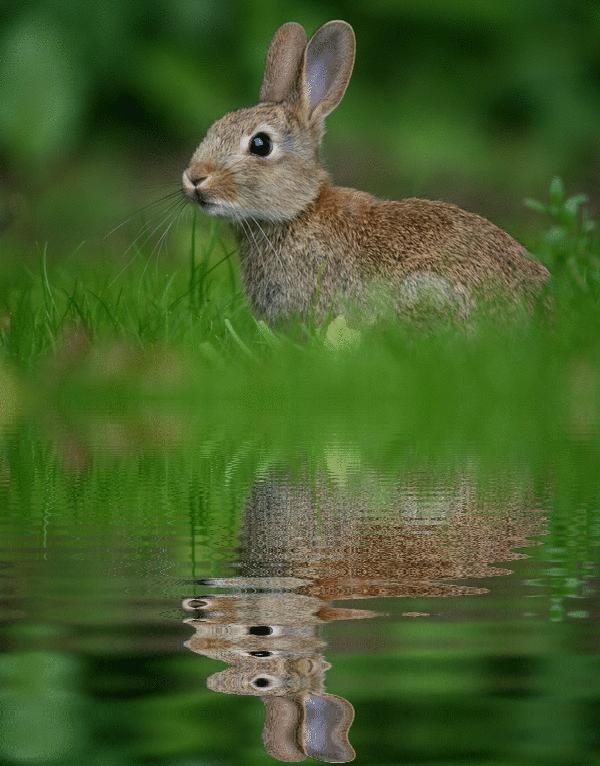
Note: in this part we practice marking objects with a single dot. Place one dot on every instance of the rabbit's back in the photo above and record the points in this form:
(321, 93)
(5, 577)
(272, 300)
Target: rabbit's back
(398, 239)
(415, 235)
(350, 245)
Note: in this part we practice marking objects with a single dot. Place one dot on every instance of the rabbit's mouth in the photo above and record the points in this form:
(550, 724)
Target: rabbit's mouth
(206, 204)
(213, 208)
(201, 198)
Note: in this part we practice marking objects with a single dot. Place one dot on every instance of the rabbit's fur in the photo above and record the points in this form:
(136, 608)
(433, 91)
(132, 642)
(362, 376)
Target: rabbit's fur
(305, 543)
(308, 246)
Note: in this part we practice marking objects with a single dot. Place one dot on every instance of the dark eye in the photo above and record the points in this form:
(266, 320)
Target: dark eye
(260, 630)
(260, 144)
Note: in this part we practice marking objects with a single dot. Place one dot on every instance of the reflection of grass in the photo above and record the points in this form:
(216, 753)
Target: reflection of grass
(120, 529)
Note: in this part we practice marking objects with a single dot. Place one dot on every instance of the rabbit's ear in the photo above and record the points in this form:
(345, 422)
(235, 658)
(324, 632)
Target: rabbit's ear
(283, 719)
(283, 61)
(330, 613)
(327, 719)
(327, 67)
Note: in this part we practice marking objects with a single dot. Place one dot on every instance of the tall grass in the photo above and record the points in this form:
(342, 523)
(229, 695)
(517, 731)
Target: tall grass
(184, 328)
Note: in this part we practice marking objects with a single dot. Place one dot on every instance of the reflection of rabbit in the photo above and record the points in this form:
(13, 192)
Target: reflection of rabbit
(305, 244)
(304, 545)
(347, 548)
(271, 642)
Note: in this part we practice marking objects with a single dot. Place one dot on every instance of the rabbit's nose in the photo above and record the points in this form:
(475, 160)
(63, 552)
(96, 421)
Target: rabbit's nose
(192, 181)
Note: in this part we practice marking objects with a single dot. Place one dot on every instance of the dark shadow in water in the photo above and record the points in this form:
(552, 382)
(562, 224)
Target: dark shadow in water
(304, 546)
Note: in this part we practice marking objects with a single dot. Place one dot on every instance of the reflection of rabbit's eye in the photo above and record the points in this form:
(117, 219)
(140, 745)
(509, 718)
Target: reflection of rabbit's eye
(260, 144)
(260, 630)
(262, 683)
(197, 603)
(260, 654)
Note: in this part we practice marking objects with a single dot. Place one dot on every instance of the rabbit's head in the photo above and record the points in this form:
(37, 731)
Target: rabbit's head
(263, 161)
(271, 642)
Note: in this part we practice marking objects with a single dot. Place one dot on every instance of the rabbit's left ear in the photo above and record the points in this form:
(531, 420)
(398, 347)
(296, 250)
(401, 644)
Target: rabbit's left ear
(283, 62)
(283, 722)
(326, 68)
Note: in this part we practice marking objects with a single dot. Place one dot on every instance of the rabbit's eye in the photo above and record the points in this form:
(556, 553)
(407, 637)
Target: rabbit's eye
(260, 630)
(265, 681)
(260, 144)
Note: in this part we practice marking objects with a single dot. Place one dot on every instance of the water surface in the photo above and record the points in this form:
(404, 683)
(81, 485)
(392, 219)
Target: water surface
(177, 595)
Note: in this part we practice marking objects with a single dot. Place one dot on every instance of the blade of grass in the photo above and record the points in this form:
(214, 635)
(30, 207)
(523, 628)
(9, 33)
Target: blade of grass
(239, 342)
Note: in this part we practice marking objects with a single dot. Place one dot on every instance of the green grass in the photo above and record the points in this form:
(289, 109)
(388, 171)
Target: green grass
(75, 327)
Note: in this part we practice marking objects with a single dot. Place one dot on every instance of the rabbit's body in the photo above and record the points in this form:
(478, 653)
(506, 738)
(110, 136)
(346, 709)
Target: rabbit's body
(350, 246)
(306, 245)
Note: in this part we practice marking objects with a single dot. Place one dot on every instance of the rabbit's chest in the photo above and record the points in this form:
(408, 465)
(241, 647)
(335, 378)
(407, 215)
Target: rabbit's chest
(282, 278)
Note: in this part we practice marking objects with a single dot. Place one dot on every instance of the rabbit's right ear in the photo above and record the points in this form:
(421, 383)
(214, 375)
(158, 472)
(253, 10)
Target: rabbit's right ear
(326, 68)
(283, 62)
(326, 721)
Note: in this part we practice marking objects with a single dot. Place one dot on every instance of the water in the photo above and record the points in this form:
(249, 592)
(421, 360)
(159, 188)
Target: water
(175, 594)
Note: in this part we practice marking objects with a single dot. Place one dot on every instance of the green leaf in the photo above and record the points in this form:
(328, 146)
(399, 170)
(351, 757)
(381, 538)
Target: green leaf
(339, 335)
(268, 335)
(534, 204)
(573, 204)
(557, 191)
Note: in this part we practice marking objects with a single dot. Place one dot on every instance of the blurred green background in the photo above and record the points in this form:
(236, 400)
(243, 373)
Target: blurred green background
(111, 505)
(473, 101)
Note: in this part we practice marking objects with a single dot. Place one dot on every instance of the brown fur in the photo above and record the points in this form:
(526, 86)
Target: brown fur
(306, 245)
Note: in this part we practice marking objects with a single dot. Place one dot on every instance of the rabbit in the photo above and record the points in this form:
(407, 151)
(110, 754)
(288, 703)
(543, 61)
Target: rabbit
(305, 543)
(271, 642)
(308, 247)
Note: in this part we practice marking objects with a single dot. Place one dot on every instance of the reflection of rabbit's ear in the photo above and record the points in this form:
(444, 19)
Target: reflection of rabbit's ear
(327, 719)
(313, 724)
(283, 61)
(283, 720)
(330, 613)
(326, 67)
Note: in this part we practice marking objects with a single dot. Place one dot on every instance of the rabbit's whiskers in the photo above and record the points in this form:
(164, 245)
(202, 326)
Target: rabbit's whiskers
(172, 208)
(245, 228)
(277, 255)
(166, 215)
(161, 200)
(162, 240)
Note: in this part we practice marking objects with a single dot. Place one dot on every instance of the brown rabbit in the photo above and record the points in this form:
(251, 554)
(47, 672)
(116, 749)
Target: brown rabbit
(305, 544)
(270, 639)
(306, 245)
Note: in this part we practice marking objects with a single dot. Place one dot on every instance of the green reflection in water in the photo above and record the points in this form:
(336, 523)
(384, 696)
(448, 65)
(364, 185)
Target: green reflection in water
(445, 589)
